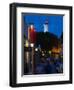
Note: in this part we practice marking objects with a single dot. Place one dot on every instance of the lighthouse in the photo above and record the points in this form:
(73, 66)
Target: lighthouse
(46, 26)
(30, 28)
(31, 34)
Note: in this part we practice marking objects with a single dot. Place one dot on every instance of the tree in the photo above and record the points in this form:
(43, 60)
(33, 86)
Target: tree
(46, 40)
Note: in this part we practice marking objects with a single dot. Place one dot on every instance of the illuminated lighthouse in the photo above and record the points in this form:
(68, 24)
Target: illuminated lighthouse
(46, 26)
(31, 34)
(31, 27)
(32, 40)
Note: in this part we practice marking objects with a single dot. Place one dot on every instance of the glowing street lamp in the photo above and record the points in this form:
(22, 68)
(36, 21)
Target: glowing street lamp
(26, 43)
(36, 49)
(27, 55)
(32, 54)
(32, 44)
(49, 52)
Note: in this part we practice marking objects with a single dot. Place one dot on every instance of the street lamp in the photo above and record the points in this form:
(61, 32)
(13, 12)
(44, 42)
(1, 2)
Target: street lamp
(32, 44)
(36, 49)
(26, 43)
(27, 56)
(32, 54)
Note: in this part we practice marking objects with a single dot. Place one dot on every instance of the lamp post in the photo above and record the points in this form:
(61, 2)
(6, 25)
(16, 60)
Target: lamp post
(32, 57)
(27, 56)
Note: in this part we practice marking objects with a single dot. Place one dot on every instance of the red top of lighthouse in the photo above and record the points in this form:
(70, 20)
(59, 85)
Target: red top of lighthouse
(32, 34)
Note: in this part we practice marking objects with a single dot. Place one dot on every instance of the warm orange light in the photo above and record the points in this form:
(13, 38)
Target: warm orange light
(56, 50)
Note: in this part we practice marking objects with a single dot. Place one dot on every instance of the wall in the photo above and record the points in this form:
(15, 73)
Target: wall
(4, 45)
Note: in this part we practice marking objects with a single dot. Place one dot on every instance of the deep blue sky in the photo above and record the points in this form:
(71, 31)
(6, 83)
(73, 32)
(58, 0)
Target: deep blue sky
(55, 22)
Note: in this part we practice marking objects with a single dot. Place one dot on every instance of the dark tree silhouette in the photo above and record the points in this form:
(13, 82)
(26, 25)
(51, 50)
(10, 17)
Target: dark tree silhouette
(46, 40)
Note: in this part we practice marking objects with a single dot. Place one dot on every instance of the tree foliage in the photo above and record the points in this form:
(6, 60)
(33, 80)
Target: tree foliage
(46, 40)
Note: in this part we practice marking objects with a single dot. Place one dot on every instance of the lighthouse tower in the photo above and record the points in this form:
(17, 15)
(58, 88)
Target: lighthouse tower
(46, 26)
(31, 27)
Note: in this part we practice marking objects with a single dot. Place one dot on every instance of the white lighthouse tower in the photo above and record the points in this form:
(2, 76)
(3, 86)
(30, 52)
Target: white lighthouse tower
(46, 26)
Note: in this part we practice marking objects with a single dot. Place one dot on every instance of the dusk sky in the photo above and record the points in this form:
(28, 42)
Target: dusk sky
(55, 22)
